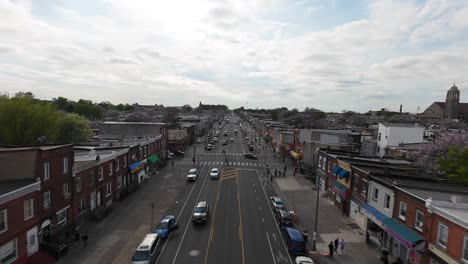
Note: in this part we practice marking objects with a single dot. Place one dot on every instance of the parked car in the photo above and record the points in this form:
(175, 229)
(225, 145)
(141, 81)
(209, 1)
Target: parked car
(169, 155)
(304, 260)
(250, 156)
(294, 240)
(148, 250)
(199, 140)
(200, 212)
(232, 139)
(179, 153)
(167, 224)
(192, 175)
(284, 218)
(214, 174)
(209, 147)
(277, 203)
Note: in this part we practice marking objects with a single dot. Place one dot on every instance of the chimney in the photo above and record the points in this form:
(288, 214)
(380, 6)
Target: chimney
(401, 108)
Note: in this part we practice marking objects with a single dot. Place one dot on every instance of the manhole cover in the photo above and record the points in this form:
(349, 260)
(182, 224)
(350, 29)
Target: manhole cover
(194, 253)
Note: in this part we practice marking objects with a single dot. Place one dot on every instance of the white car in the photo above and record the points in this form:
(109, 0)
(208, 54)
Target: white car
(199, 140)
(277, 203)
(304, 260)
(192, 175)
(214, 174)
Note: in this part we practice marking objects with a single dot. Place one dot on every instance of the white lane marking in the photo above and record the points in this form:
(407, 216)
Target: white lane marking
(271, 249)
(178, 217)
(188, 223)
(260, 208)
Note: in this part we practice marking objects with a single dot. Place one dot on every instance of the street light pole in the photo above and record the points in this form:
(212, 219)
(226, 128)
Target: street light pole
(316, 213)
(152, 207)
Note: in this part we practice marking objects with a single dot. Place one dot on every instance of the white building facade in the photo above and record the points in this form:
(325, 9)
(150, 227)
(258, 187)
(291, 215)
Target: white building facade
(391, 135)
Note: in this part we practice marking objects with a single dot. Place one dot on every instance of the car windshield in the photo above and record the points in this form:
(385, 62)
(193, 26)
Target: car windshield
(199, 210)
(163, 225)
(141, 255)
(279, 202)
(214, 171)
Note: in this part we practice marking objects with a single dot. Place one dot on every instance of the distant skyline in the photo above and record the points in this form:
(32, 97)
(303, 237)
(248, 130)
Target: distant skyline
(331, 55)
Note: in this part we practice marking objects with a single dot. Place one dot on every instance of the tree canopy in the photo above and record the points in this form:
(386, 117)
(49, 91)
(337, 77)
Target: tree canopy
(455, 165)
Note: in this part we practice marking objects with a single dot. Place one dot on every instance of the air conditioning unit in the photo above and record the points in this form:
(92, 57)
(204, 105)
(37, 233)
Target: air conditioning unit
(66, 195)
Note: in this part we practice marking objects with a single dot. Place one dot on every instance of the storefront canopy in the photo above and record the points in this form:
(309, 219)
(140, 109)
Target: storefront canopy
(402, 233)
(134, 165)
(153, 159)
(344, 174)
(374, 212)
(341, 189)
(336, 170)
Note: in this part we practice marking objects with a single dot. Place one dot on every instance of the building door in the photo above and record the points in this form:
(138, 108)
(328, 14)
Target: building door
(98, 198)
(403, 253)
(32, 244)
(93, 201)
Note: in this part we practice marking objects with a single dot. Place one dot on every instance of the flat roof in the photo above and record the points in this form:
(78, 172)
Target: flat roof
(9, 186)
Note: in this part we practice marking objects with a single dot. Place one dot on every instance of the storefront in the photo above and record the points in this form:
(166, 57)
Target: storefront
(342, 194)
(402, 242)
(375, 218)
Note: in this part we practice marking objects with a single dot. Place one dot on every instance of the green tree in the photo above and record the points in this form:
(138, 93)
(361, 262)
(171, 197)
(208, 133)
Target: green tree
(455, 165)
(24, 120)
(87, 109)
(71, 128)
(62, 103)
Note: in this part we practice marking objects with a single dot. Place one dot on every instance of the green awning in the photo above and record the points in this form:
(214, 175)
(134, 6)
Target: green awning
(402, 233)
(152, 159)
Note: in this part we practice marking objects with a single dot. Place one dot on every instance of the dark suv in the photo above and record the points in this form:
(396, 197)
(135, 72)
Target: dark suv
(200, 212)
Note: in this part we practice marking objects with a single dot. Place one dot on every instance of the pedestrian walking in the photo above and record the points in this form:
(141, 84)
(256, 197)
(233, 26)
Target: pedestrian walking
(226, 161)
(330, 249)
(193, 160)
(271, 178)
(84, 237)
(284, 171)
(337, 241)
(342, 244)
(276, 172)
(172, 163)
(295, 171)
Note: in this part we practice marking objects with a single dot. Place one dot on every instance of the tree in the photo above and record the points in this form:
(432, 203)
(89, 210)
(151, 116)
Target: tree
(87, 109)
(24, 120)
(71, 128)
(455, 165)
(62, 103)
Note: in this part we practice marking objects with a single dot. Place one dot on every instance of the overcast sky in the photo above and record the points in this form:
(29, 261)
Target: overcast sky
(330, 55)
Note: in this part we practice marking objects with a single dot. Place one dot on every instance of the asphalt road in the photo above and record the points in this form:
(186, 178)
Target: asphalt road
(241, 227)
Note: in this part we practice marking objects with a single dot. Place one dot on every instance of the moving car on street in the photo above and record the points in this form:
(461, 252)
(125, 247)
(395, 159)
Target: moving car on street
(167, 224)
(250, 156)
(200, 212)
(209, 147)
(192, 175)
(214, 174)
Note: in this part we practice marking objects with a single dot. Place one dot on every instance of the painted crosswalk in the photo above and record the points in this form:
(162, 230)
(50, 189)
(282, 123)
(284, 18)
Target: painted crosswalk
(220, 153)
(231, 163)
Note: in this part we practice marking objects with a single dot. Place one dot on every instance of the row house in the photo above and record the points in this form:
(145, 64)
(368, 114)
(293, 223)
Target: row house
(51, 165)
(19, 220)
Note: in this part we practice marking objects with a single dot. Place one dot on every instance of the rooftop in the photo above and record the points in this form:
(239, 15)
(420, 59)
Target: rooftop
(9, 186)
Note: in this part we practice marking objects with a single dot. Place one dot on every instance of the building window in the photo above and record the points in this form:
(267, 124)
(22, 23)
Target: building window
(141, 153)
(465, 248)
(46, 197)
(46, 166)
(66, 192)
(108, 189)
(101, 173)
(375, 194)
(125, 161)
(119, 182)
(364, 187)
(378, 149)
(146, 151)
(442, 235)
(65, 165)
(82, 207)
(28, 209)
(387, 201)
(62, 217)
(3, 221)
(78, 184)
(117, 164)
(403, 208)
(419, 221)
(92, 179)
(380, 136)
(9, 252)
(111, 169)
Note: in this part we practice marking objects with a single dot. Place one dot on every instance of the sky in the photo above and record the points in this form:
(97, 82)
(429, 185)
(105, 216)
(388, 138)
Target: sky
(331, 55)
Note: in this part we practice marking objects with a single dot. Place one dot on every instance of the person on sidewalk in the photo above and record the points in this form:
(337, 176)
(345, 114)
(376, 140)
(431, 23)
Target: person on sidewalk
(271, 178)
(342, 244)
(337, 241)
(284, 171)
(84, 237)
(295, 171)
(172, 163)
(330, 249)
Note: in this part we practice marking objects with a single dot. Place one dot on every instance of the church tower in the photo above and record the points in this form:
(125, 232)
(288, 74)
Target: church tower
(452, 102)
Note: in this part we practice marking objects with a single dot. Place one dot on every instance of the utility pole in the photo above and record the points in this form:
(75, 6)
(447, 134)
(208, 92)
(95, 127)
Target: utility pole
(316, 213)
(152, 207)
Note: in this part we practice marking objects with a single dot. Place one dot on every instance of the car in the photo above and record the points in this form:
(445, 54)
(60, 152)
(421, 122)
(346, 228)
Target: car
(283, 217)
(214, 173)
(170, 155)
(232, 139)
(250, 156)
(224, 142)
(277, 203)
(192, 175)
(179, 153)
(247, 139)
(215, 139)
(200, 212)
(199, 140)
(209, 147)
(303, 260)
(294, 240)
(167, 224)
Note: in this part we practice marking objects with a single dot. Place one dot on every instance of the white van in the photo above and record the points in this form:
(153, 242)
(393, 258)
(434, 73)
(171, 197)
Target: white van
(148, 250)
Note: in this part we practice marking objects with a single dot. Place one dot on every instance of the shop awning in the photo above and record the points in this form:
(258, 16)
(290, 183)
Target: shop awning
(341, 189)
(295, 155)
(153, 159)
(402, 233)
(374, 212)
(336, 170)
(343, 174)
(134, 165)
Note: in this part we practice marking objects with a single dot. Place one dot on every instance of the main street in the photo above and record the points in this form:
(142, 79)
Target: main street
(241, 226)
